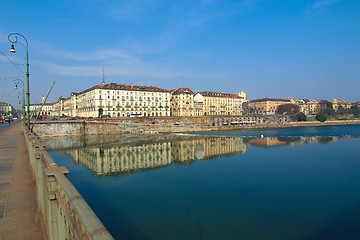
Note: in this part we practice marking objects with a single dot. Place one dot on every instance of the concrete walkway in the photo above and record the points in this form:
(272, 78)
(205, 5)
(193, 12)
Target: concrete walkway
(19, 218)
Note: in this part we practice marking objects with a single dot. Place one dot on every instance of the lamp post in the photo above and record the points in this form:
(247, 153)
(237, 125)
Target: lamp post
(17, 81)
(13, 38)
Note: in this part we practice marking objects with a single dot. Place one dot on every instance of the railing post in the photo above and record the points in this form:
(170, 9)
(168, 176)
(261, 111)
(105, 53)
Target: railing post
(52, 207)
(38, 176)
(56, 225)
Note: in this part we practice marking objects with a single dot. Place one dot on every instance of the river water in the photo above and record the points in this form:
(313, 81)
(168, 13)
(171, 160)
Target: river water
(290, 183)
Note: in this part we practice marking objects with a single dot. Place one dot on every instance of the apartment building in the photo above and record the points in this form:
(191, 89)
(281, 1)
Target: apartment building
(313, 106)
(268, 106)
(116, 100)
(216, 103)
(336, 103)
(182, 102)
(6, 108)
(47, 109)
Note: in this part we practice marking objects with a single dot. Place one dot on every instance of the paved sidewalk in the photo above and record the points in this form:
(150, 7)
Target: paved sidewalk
(19, 218)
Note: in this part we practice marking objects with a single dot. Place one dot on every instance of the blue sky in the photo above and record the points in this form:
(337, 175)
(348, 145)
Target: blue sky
(267, 48)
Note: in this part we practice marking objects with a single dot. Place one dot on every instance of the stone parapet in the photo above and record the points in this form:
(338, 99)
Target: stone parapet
(66, 214)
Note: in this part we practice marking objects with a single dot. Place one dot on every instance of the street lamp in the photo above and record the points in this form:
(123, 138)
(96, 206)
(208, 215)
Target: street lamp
(17, 81)
(14, 36)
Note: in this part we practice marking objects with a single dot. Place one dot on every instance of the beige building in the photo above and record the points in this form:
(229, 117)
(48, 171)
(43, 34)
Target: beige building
(336, 103)
(67, 106)
(215, 103)
(116, 100)
(268, 106)
(182, 102)
(120, 100)
(6, 108)
(242, 95)
(313, 106)
(198, 108)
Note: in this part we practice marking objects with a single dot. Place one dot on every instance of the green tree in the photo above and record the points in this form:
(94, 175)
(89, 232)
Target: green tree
(321, 117)
(329, 110)
(355, 110)
(288, 108)
(341, 111)
(300, 117)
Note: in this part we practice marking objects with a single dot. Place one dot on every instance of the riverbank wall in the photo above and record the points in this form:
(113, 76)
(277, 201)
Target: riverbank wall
(101, 127)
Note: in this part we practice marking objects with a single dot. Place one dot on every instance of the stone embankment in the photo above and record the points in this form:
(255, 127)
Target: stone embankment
(76, 128)
(327, 123)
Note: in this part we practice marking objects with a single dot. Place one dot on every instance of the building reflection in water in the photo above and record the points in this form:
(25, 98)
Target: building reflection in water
(123, 159)
(127, 154)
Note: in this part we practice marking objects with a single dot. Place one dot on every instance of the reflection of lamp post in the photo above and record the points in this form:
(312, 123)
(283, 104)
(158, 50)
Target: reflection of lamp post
(12, 49)
(17, 81)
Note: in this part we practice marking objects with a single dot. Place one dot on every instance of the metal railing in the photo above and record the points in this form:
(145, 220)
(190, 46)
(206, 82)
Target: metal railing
(66, 214)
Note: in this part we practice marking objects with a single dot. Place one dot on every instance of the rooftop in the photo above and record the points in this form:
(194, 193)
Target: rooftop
(182, 90)
(218, 94)
(131, 87)
(270, 100)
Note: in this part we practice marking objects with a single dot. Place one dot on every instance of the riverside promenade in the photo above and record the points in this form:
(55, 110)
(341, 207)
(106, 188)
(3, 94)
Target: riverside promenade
(19, 218)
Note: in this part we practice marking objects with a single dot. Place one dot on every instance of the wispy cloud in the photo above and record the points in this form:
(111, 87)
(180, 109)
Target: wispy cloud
(114, 68)
(129, 67)
(321, 4)
(130, 62)
(193, 15)
(102, 54)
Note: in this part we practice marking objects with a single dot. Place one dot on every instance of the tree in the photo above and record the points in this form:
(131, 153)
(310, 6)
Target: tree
(355, 110)
(341, 110)
(288, 108)
(326, 108)
(300, 117)
(321, 117)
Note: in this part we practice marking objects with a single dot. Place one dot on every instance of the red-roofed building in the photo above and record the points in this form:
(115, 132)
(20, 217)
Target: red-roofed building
(182, 102)
(336, 103)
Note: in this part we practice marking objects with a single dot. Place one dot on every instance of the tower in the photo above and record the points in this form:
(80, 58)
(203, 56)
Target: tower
(103, 79)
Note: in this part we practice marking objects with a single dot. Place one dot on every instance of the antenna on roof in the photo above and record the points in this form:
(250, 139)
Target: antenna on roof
(103, 76)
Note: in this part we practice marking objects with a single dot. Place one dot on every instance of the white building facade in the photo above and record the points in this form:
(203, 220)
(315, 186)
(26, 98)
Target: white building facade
(120, 100)
(47, 109)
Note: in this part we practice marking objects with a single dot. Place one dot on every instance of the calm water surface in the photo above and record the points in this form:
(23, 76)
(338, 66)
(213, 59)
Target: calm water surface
(296, 183)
